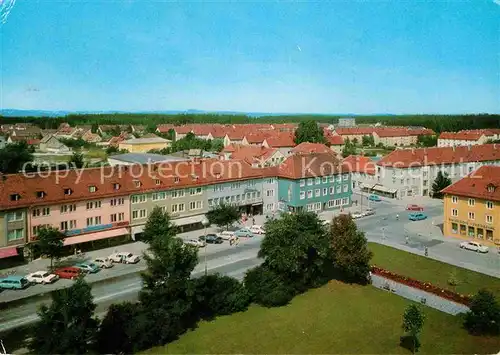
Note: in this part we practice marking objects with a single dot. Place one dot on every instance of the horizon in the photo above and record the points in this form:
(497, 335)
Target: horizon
(348, 59)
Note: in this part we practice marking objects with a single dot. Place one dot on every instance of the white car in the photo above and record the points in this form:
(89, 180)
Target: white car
(474, 246)
(42, 277)
(256, 229)
(357, 215)
(103, 263)
(196, 243)
(226, 235)
(124, 257)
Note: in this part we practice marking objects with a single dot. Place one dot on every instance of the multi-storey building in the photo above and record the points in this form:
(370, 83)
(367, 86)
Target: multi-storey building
(472, 207)
(411, 172)
(12, 232)
(313, 182)
(270, 191)
(362, 171)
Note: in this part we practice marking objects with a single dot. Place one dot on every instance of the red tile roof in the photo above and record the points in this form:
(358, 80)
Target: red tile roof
(463, 135)
(307, 147)
(384, 131)
(298, 166)
(484, 183)
(334, 140)
(203, 172)
(281, 140)
(360, 164)
(249, 153)
(404, 158)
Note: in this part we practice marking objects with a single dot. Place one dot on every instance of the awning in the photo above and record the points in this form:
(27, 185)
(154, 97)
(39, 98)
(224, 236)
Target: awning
(188, 220)
(8, 252)
(382, 188)
(95, 236)
(137, 229)
(367, 186)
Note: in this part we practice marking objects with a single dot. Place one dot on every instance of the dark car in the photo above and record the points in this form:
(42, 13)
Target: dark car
(211, 239)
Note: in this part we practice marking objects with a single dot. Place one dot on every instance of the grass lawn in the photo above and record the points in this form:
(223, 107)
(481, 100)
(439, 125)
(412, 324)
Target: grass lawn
(96, 153)
(336, 318)
(435, 272)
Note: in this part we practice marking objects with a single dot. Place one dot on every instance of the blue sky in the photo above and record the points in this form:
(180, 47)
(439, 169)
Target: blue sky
(321, 57)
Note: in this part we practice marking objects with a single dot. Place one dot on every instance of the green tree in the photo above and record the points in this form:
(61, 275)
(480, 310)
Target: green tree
(442, 180)
(484, 315)
(223, 215)
(50, 242)
(350, 251)
(158, 224)
(367, 141)
(349, 148)
(14, 157)
(77, 161)
(309, 131)
(267, 288)
(297, 247)
(427, 141)
(413, 321)
(68, 325)
(355, 141)
(216, 145)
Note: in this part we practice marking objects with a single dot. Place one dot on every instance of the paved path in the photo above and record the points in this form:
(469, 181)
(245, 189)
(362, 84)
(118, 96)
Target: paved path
(417, 295)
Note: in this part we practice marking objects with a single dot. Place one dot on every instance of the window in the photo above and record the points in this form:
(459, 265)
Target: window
(332, 190)
(454, 212)
(218, 188)
(325, 179)
(317, 192)
(196, 191)
(92, 188)
(454, 228)
(159, 196)
(135, 214)
(137, 183)
(113, 217)
(68, 192)
(196, 205)
(345, 201)
(157, 182)
(489, 205)
(302, 183)
(93, 204)
(345, 177)
(143, 213)
(270, 207)
(317, 180)
(15, 234)
(472, 215)
(332, 178)
(302, 195)
(310, 194)
(331, 203)
(338, 188)
(235, 185)
(64, 225)
(117, 201)
(325, 191)
(454, 199)
(489, 219)
(269, 193)
(211, 202)
(178, 208)
(177, 193)
(15, 197)
(40, 194)
(345, 188)
(116, 186)
(177, 179)
(309, 182)
(68, 208)
(472, 202)
(15, 216)
(139, 198)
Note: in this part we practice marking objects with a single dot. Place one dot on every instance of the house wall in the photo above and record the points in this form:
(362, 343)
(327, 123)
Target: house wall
(459, 224)
(270, 194)
(76, 216)
(240, 193)
(143, 148)
(9, 224)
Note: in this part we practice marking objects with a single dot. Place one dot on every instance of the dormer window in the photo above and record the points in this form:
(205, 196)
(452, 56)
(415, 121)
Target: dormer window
(137, 183)
(15, 197)
(194, 176)
(116, 186)
(68, 192)
(491, 188)
(157, 181)
(92, 188)
(176, 179)
(40, 194)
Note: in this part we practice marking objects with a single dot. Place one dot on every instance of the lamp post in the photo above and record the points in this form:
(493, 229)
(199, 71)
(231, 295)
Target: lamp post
(205, 223)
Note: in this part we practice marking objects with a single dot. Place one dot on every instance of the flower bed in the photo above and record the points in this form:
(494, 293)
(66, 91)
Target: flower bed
(424, 286)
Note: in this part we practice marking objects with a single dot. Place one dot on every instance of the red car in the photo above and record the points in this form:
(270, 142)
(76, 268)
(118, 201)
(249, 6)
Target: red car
(69, 272)
(414, 208)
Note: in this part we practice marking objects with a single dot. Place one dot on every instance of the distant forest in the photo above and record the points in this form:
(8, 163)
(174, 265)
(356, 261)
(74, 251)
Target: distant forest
(438, 123)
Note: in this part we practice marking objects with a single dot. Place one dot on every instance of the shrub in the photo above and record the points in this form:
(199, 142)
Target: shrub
(484, 315)
(267, 288)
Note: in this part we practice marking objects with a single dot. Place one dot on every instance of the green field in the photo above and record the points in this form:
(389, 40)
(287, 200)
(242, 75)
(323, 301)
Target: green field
(435, 272)
(336, 318)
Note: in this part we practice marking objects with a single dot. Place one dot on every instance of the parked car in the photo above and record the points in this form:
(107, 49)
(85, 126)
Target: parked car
(196, 243)
(417, 216)
(474, 246)
(414, 208)
(226, 235)
(13, 282)
(357, 215)
(42, 277)
(244, 232)
(257, 229)
(374, 198)
(69, 272)
(211, 239)
(89, 267)
(369, 212)
(103, 263)
(124, 257)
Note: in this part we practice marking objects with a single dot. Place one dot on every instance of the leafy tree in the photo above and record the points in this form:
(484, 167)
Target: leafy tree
(350, 251)
(297, 247)
(223, 215)
(484, 315)
(355, 141)
(158, 225)
(216, 145)
(119, 330)
(50, 242)
(413, 321)
(309, 131)
(68, 325)
(217, 295)
(14, 157)
(442, 180)
(367, 141)
(427, 141)
(349, 148)
(267, 288)
(77, 161)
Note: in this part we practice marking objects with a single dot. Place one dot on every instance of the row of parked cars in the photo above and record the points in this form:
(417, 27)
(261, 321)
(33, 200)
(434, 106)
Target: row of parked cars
(15, 282)
(219, 238)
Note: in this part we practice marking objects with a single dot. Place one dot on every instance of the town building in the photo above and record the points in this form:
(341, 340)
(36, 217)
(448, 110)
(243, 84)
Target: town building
(387, 136)
(411, 172)
(50, 144)
(347, 122)
(141, 158)
(362, 170)
(472, 207)
(144, 145)
(468, 137)
(257, 156)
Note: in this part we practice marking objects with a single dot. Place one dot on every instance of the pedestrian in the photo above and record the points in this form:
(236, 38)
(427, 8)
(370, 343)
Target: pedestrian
(237, 241)
(231, 242)
(426, 251)
(407, 240)
(253, 221)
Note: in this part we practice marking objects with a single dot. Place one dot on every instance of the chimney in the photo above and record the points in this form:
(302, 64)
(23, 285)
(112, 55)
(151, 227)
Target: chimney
(412, 150)
(453, 147)
(469, 147)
